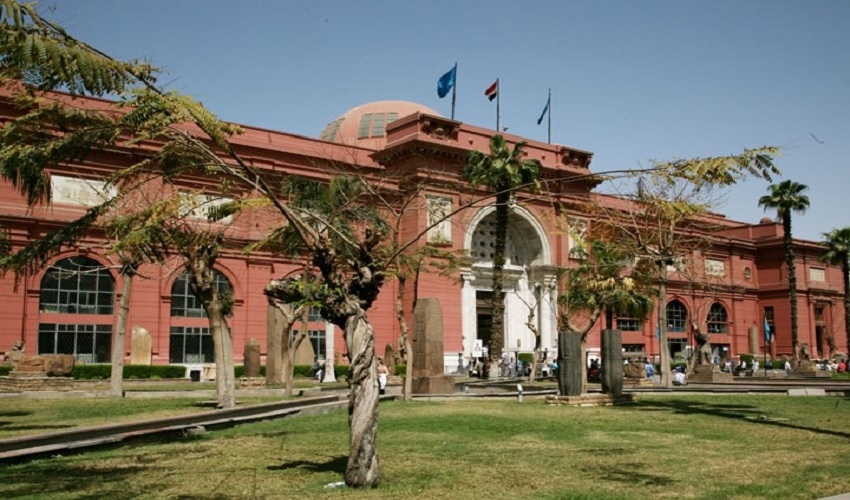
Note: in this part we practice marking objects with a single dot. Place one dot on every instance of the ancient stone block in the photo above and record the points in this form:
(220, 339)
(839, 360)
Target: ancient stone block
(251, 358)
(612, 362)
(140, 346)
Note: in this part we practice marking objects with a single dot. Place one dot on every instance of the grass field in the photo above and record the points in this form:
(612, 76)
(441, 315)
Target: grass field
(662, 446)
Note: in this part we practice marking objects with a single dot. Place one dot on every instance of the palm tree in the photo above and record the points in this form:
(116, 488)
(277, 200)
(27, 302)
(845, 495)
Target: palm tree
(787, 197)
(838, 252)
(504, 171)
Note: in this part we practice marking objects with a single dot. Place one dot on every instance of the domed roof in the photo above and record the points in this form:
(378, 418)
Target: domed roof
(366, 125)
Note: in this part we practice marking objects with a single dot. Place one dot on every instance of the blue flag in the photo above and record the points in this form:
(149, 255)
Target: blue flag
(766, 331)
(446, 82)
(545, 110)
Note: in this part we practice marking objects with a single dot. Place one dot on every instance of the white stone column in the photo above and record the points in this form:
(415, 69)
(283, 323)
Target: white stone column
(468, 319)
(330, 330)
(548, 316)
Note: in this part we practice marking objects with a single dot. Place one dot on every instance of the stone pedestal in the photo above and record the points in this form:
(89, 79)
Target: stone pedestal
(428, 369)
(590, 400)
(709, 373)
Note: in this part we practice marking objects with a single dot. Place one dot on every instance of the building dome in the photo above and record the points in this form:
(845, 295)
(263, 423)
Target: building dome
(366, 125)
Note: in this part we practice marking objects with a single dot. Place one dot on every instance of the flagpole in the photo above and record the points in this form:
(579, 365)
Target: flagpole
(549, 134)
(454, 92)
(498, 98)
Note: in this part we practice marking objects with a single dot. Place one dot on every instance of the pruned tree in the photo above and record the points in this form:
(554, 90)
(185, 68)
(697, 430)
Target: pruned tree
(786, 198)
(604, 285)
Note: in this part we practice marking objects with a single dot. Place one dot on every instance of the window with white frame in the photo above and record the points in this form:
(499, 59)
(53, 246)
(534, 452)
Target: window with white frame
(718, 319)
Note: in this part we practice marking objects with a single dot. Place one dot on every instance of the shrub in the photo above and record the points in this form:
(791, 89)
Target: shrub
(525, 357)
(401, 370)
(104, 372)
(5, 369)
(239, 371)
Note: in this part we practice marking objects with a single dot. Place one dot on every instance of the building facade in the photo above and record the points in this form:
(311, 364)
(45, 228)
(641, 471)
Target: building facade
(70, 306)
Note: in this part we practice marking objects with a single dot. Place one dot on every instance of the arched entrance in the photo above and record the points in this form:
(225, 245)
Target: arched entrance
(529, 284)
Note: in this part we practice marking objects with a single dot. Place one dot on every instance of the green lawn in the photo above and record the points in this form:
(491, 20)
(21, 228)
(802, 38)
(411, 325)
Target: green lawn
(663, 446)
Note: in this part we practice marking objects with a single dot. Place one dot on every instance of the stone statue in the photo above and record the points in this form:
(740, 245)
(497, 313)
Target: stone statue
(17, 353)
(804, 353)
(703, 349)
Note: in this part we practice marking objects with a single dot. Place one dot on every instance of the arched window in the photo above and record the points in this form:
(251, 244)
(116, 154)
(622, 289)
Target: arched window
(190, 340)
(677, 316)
(717, 320)
(77, 285)
(82, 287)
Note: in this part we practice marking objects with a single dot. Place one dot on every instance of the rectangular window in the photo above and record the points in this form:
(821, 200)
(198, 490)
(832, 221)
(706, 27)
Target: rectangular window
(768, 317)
(314, 314)
(378, 125)
(365, 122)
(317, 340)
(88, 343)
(190, 344)
(629, 324)
(633, 348)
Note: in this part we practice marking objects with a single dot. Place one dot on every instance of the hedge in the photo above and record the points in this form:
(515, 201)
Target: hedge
(104, 372)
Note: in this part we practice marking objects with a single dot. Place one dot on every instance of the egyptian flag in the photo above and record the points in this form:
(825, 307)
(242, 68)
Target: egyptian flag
(493, 90)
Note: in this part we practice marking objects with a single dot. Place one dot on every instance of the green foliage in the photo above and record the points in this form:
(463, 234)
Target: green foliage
(503, 169)
(525, 357)
(104, 372)
(747, 358)
(400, 370)
(5, 369)
(239, 371)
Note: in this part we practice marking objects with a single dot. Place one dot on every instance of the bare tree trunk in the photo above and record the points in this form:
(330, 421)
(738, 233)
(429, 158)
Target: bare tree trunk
(666, 373)
(225, 378)
(363, 468)
(790, 262)
(116, 385)
(199, 264)
(584, 364)
(406, 343)
(273, 346)
(497, 328)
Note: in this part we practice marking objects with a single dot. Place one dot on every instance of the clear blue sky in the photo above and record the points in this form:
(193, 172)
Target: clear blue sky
(632, 80)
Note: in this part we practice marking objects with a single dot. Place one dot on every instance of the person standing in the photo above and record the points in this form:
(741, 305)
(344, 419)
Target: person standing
(383, 374)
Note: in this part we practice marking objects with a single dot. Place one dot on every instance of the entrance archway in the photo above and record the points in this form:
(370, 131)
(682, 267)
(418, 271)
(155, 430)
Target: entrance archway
(529, 284)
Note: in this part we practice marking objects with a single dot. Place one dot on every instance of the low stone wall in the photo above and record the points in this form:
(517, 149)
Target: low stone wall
(590, 400)
(250, 382)
(637, 382)
(32, 381)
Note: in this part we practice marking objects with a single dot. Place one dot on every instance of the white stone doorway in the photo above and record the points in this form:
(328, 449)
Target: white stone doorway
(529, 284)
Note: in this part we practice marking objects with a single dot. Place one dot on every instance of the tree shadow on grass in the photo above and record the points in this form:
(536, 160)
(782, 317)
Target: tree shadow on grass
(335, 464)
(48, 478)
(629, 473)
(15, 413)
(750, 413)
(10, 426)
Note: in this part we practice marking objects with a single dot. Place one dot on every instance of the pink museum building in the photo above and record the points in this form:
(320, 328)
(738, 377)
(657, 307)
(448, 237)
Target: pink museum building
(56, 311)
